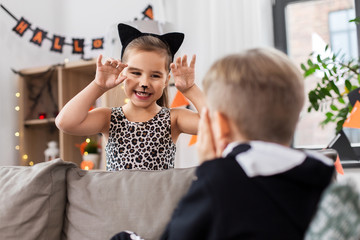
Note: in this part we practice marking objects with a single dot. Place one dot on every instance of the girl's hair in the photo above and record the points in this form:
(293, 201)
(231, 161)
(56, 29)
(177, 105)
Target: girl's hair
(152, 44)
(260, 90)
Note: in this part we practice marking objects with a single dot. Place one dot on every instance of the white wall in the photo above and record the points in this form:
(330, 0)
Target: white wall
(213, 28)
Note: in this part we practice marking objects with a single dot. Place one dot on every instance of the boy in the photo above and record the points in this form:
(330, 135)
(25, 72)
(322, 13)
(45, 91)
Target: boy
(255, 186)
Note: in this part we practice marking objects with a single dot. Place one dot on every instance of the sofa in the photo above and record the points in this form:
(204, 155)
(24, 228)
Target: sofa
(57, 200)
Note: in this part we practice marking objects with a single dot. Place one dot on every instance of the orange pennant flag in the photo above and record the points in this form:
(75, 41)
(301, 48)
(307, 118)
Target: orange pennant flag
(353, 121)
(179, 100)
(193, 140)
(338, 166)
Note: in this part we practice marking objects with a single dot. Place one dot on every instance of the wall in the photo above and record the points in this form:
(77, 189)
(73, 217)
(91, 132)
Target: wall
(213, 29)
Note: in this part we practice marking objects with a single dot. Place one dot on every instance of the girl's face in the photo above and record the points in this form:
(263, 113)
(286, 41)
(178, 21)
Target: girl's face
(146, 77)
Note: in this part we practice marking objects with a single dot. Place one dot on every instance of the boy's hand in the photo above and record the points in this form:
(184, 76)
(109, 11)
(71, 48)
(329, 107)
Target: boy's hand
(108, 75)
(184, 74)
(205, 145)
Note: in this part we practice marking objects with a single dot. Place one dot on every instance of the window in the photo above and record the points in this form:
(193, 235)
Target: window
(342, 33)
(302, 27)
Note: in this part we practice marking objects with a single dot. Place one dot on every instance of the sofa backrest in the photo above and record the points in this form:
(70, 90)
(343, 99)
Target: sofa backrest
(101, 204)
(32, 200)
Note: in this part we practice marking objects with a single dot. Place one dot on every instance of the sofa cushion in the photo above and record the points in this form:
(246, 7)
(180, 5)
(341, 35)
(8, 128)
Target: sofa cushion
(32, 200)
(101, 204)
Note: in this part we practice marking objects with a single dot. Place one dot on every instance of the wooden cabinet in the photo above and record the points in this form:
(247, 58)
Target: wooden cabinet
(43, 92)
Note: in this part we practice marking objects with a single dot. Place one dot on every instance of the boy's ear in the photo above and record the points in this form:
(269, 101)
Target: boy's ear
(222, 132)
(223, 124)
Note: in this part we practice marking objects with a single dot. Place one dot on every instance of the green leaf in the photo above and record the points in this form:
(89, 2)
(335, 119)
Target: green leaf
(320, 94)
(355, 20)
(343, 112)
(326, 47)
(329, 115)
(325, 92)
(303, 67)
(326, 76)
(313, 98)
(309, 72)
(334, 69)
(310, 63)
(334, 87)
(315, 105)
(326, 121)
(339, 126)
(333, 107)
(318, 58)
(341, 100)
(348, 85)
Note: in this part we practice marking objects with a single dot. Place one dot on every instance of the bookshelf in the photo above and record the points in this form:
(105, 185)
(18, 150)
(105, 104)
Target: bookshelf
(43, 92)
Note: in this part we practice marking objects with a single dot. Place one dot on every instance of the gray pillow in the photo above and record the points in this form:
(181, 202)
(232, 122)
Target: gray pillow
(32, 200)
(101, 204)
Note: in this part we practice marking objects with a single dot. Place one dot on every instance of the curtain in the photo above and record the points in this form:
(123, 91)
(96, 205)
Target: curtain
(215, 28)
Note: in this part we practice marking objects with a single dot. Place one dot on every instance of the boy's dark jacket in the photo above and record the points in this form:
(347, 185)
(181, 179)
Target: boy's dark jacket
(250, 194)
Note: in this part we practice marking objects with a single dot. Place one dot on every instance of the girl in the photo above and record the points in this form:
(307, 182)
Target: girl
(142, 133)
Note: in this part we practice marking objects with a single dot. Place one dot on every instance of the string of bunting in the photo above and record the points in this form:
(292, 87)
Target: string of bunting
(57, 41)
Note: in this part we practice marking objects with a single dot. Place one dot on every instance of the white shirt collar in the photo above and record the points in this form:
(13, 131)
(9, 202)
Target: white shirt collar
(265, 159)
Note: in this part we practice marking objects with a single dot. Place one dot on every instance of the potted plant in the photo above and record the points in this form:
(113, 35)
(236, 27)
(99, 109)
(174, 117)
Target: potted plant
(89, 150)
(326, 96)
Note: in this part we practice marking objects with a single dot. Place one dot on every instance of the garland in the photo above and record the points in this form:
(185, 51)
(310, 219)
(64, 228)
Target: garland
(57, 41)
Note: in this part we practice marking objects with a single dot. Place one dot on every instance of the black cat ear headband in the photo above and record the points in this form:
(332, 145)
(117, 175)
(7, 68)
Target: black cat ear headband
(128, 33)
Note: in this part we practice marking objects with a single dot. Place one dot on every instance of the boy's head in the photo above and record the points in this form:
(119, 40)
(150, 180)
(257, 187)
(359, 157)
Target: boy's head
(260, 91)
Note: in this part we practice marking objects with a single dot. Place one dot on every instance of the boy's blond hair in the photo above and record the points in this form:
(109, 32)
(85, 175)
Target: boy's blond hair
(260, 90)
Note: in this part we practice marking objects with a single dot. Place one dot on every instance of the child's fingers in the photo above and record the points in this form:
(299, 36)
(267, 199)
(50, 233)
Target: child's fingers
(110, 62)
(184, 61)
(178, 61)
(107, 62)
(205, 145)
(120, 66)
(120, 79)
(98, 62)
(113, 63)
(193, 60)
(173, 67)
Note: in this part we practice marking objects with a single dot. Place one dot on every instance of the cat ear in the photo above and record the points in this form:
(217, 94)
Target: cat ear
(127, 34)
(174, 40)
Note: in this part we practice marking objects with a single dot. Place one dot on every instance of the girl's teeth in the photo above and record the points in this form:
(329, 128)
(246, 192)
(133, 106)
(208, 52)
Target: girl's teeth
(142, 94)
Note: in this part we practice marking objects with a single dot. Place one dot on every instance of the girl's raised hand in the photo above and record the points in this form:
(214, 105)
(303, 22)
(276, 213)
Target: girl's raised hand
(108, 75)
(184, 74)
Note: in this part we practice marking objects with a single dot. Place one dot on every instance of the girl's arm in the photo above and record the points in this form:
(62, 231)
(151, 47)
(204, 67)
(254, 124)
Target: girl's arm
(186, 121)
(75, 118)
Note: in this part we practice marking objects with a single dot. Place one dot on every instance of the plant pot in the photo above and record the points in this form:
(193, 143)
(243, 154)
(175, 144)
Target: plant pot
(92, 157)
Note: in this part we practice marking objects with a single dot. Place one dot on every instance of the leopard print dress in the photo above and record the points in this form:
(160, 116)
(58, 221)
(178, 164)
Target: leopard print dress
(140, 145)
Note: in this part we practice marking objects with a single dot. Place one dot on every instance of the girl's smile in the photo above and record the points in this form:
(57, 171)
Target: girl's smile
(142, 95)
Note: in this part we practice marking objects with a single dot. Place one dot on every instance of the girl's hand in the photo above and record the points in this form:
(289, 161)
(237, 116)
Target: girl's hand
(205, 142)
(109, 75)
(184, 75)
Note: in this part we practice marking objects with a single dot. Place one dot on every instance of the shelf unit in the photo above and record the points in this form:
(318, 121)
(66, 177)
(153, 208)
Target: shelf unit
(58, 85)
